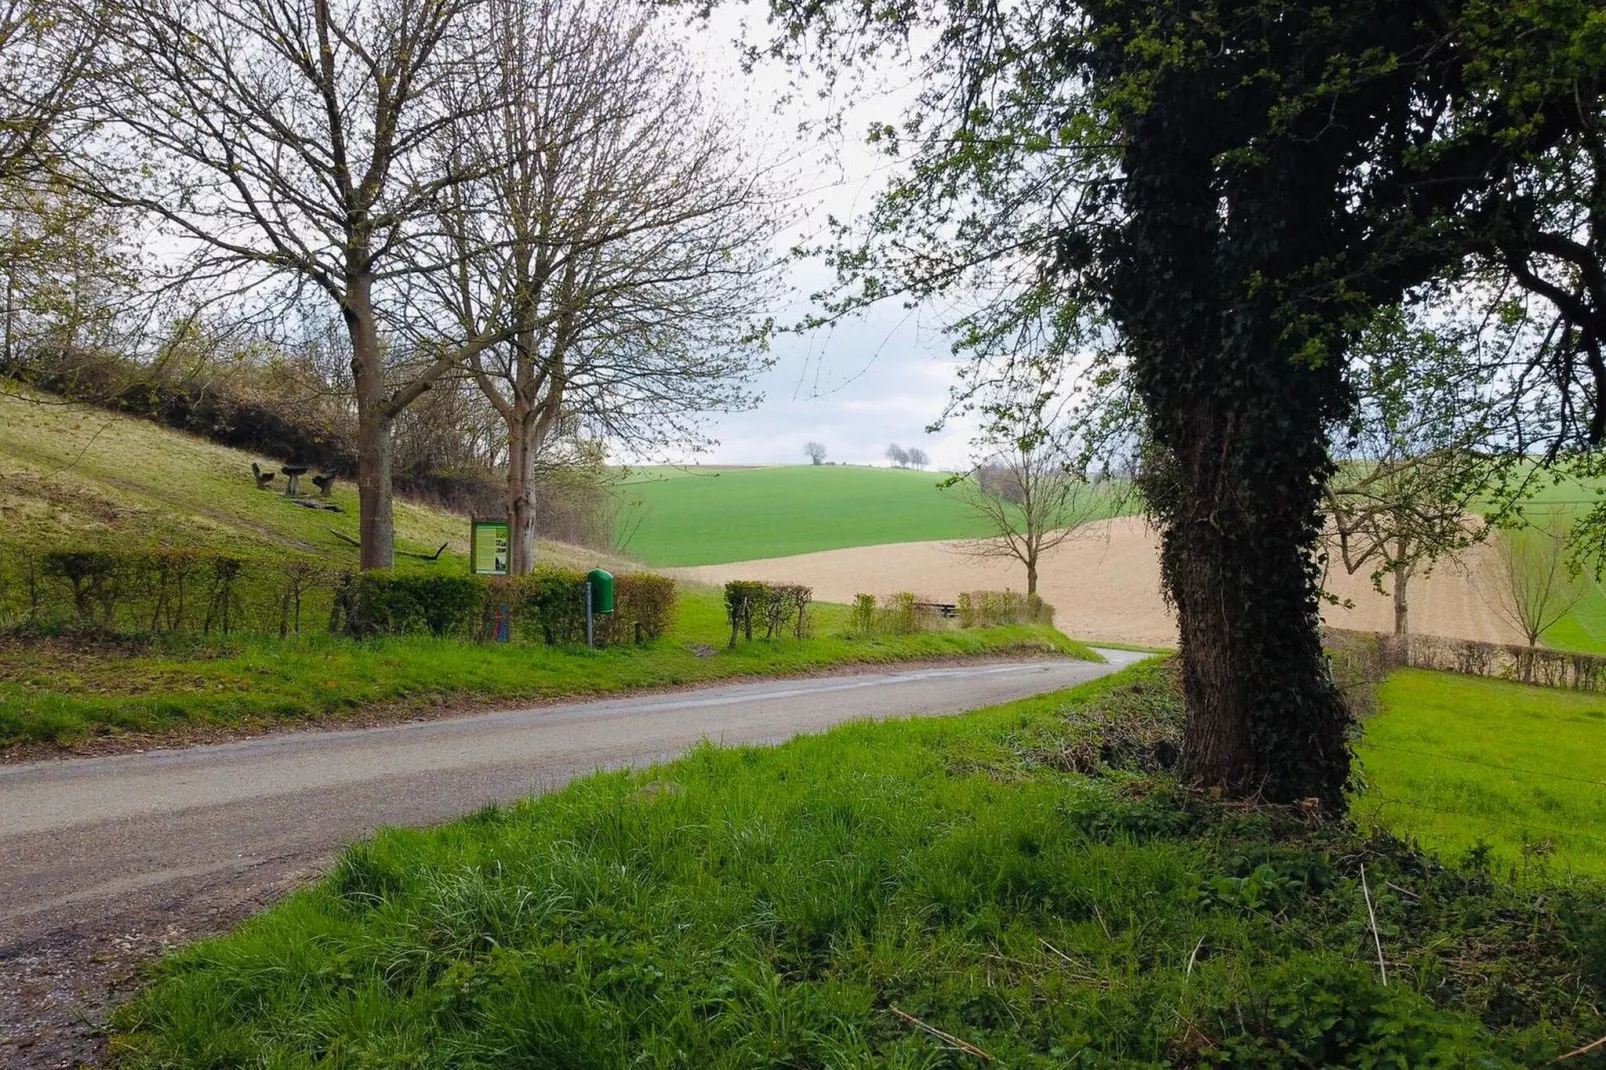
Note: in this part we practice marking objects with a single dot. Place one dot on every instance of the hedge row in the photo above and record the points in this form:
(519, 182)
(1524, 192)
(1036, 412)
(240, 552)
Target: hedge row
(162, 590)
(779, 607)
(197, 591)
(1369, 656)
(547, 605)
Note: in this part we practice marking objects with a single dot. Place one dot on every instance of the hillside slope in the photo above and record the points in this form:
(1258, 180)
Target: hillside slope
(73, 474)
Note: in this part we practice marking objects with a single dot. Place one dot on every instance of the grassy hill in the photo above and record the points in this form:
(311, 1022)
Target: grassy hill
(712, 515)
(72, 474)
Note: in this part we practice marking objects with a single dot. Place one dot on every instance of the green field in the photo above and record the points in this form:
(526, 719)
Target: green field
(899, 895)
(709, 516)
(1459, 760)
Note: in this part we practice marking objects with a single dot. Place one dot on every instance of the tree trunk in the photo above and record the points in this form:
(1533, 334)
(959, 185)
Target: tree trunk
(520, 498)
(1031, 575)
(1264, 718)
(376, 524)
(1402, 577)
(1236, 408)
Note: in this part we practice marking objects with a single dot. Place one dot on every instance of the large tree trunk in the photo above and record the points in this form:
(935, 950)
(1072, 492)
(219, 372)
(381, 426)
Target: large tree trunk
(1236, 408)
(376, 523)
(1264, 718)
(520, 498)
(1031, 575)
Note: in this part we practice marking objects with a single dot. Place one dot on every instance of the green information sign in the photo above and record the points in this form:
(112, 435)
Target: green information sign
(488, 547)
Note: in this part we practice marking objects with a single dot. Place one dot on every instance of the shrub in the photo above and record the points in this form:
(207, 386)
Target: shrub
(554, 604)
(782, 607)
(644, 604)
(980, 609)
(743, 598)
(396, 602)
(862, 620)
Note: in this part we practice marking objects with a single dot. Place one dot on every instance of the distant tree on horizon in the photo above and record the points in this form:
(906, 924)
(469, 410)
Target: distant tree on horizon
(918, 458)
(898, 455)
(815, 452)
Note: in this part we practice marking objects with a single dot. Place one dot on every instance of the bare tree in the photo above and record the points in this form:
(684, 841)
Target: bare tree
(918, 458)
(1536, 585)
(1419, 458)
(1030, 492)
(815, 451)
(45, 49)
(898, 455)
(297, 143)
(620, 235)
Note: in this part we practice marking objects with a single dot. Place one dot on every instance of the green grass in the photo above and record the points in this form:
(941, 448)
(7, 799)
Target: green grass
(60, 691)
(1458, 760)
(769, 907)
(711, 516)
(72, 473)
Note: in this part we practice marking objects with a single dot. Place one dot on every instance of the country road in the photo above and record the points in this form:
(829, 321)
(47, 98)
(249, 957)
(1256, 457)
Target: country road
(105, 861)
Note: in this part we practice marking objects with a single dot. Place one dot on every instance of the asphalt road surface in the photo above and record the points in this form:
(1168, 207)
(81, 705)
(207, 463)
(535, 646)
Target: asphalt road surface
(106, 861)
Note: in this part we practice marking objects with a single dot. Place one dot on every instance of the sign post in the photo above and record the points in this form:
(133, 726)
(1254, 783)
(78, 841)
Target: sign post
(488, 543)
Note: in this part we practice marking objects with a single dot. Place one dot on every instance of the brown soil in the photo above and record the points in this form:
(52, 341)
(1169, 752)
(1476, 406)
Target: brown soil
(1105, 585)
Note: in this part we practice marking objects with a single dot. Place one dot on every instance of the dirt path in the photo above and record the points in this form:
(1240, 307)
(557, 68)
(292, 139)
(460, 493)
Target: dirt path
(1106, 585)
(104, 862)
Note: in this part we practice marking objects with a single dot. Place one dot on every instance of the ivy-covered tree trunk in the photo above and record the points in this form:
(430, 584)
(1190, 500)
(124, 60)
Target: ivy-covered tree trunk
(1237, 398)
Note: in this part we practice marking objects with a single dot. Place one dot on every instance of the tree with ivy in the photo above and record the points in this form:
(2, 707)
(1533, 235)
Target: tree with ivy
(1213, 198)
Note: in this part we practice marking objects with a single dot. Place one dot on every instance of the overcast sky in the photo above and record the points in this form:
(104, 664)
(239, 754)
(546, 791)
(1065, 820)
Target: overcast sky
(864, 383)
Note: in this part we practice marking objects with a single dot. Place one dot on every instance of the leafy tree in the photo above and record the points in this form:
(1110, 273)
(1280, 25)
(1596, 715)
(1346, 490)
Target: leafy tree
(815, 451)
(1215, 196)
(898, 455)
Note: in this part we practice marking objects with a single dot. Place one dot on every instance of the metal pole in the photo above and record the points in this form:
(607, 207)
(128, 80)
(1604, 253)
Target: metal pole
(588, 613)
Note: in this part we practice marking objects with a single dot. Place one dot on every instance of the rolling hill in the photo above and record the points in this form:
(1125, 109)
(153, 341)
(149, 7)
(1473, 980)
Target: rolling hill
(715, 515)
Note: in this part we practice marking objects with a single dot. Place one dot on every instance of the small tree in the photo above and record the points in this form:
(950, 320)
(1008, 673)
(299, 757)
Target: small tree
(1414, 461)
(815, 452)
(1536, 584)
(1029, 492)
(898, 455)
(918, 458)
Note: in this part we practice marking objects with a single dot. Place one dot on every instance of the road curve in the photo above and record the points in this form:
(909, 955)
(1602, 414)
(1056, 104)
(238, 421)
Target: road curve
(95, 846)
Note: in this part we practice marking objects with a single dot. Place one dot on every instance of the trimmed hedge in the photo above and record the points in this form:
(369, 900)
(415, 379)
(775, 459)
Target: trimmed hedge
(1369, 656)
(158, 590)
(779, 607)
(547, 605)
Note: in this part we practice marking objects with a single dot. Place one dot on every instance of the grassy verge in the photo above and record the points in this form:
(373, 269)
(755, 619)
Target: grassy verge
(853, 898)
(1458, 761)
(59, 691)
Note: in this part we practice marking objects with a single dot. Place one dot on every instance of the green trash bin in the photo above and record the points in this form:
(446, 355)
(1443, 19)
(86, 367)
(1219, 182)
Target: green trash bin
(601, 590)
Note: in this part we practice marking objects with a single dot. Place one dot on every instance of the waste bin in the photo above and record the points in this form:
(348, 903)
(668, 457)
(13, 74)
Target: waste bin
(601, 582)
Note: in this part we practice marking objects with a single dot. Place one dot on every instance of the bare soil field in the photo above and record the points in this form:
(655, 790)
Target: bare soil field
(1105, 585)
